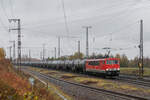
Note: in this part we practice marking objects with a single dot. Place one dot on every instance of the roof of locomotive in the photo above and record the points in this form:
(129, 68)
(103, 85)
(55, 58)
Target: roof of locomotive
(102, 59)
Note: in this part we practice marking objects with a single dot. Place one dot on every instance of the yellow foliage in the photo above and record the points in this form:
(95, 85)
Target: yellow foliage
(2, 53)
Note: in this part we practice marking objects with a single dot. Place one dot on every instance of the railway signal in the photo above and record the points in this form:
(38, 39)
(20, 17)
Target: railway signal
(140, 64)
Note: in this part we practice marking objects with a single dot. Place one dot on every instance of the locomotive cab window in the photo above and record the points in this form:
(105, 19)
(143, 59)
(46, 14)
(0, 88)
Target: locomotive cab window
(94, 63)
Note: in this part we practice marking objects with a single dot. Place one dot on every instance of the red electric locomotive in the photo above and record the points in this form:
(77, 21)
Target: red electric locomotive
(107, 66)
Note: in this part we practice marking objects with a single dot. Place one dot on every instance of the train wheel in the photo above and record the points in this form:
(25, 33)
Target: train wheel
(73, 69)
(84, 71)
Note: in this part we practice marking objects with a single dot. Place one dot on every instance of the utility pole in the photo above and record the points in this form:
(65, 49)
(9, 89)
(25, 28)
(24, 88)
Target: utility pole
(14, 51)
(43, 52)
(58, 46)
(55, 52)
(29, 55)
(79, 49)
(10, 53)
(41, 55)
(19, 40)
(141, 71)
(87, 40)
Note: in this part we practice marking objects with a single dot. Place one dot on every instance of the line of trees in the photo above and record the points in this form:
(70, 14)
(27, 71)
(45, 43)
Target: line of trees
(125, 62)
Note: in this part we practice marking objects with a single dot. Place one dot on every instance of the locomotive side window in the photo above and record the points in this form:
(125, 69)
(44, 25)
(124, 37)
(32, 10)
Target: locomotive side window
(94, 63)
(115, 61)
(103, 62)
(112, 61)
(108, 62)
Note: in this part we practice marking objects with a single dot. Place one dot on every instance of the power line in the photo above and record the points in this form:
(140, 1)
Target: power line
(11, 8)
(65, 16)
(3, 25)
(110, 7)
(3, 8)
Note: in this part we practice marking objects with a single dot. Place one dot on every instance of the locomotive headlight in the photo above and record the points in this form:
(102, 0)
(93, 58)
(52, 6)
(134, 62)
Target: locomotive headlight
(118, 68)
(107, 69)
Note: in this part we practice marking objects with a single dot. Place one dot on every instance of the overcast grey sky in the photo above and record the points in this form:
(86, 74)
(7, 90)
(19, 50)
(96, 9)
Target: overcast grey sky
(115, 23)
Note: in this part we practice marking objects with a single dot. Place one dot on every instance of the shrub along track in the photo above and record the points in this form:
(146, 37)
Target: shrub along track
(85, 92)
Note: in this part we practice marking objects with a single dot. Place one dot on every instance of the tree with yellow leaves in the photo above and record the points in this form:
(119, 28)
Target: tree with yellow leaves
(2, 53)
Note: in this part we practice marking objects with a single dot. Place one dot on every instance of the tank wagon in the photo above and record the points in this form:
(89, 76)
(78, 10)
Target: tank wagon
(105, 66)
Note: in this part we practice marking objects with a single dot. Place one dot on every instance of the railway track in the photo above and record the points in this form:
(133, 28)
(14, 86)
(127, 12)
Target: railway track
(122, 78)
(86, 92)
(134, 80)
(146, 79)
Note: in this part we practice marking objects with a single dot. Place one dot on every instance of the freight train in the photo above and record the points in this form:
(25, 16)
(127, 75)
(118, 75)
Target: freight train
(105, 66)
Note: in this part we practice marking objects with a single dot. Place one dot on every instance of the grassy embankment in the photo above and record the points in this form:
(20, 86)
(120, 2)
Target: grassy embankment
(97, 82)
(134, 71)
(15, 86)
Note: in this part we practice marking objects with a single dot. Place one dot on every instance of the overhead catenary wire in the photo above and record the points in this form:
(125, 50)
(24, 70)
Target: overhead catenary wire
(65, 16)
(3, 8)
(40, 25)
(66, 22)
(6, 16)
(11, 8)
(118, 31)
(120, 14)
(124, 13)
(3, 25)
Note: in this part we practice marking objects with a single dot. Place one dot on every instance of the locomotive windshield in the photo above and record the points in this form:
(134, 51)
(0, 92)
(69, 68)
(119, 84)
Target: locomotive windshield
(112, 61)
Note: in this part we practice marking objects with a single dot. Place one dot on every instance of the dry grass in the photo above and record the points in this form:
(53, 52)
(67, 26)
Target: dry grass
(134, 71)
(68, 76)
(53, 88)
(45, 93)
(111, 85)
(12, 80)
(101, 83)
(7, 92)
